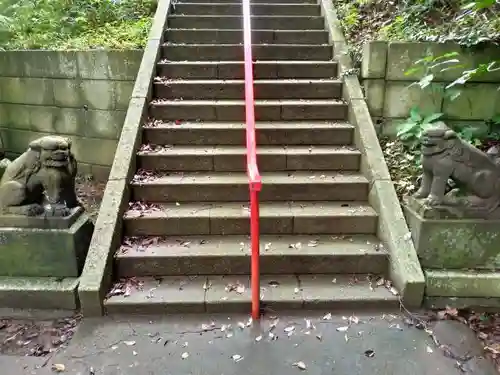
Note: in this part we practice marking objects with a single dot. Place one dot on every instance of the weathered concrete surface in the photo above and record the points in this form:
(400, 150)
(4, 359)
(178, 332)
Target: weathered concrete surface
(35, 252)
(155, 346)
(82, 94)
(404, 267)
(42, 293)
(453, 243)
(97, 272)
(462, 283)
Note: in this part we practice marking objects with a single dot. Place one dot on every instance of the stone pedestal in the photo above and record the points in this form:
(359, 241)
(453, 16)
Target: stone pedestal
(44, 246)
(444, 238)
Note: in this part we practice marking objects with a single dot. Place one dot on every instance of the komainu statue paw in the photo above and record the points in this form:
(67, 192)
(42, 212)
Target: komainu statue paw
(432, 200)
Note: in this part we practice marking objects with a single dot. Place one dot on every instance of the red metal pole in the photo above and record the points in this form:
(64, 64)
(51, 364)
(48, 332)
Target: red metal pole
(254, 233)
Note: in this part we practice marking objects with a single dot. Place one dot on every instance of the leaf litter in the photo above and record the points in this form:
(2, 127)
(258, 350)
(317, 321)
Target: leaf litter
(37, 338)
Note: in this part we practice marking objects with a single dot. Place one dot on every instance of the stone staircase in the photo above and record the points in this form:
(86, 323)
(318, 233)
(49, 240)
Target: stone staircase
(186, 246)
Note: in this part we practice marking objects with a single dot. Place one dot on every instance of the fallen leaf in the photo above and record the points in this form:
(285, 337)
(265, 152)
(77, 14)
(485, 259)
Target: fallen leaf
(258, 338)
(343, 329)
(313, 243)
(289, 329)
(58, 367)
(296, 290)
(267, 246)
(319, 337)
(240, 289)
(328, 316)
(129, 343)
(369, 353)
(300, 365)
(429, 349)
(241, 325)
(185, 355)
(237, 357)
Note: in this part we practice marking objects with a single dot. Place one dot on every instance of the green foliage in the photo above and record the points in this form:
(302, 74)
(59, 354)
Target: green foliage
(411, 129)
(74, 24)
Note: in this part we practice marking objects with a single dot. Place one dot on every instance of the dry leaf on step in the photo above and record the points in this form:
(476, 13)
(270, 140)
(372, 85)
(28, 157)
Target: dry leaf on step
(58, 367)
(300, 365)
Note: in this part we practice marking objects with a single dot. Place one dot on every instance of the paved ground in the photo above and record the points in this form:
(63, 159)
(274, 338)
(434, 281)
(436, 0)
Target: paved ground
(379, 344)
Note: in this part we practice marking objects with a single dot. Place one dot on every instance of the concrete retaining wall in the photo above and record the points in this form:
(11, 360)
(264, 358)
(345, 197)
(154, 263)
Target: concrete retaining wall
(389, 97)
(81, 94)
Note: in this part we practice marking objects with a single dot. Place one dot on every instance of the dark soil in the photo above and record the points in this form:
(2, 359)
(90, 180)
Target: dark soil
(36, 338)
(90, 193)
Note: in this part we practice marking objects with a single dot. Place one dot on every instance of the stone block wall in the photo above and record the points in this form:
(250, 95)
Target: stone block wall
(390, 97)
(80, 94)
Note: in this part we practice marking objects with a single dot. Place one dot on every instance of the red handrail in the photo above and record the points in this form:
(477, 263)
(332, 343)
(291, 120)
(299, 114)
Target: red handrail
(254, 179)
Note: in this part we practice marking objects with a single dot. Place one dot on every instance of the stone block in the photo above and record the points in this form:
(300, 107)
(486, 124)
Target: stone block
(375, 95)
(453, 243)
(400, 98)
(16, 116)
(401, 57)
(20, 90)
(93, 65)
(471, 284)
(102, 124)
(47, 64)
(69, 121)
(374, 60)
(39, 247)
(47, 293)
(67, 93)
(477, 101)
(124, 65)
(103, 150)
(123, 93)
(97, 94)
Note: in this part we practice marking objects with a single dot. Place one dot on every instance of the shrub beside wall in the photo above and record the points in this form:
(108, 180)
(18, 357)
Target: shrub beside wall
(80, 94)
(390, 97)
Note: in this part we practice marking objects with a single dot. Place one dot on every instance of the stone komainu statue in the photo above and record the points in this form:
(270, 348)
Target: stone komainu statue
(42, 179)
(446, 156)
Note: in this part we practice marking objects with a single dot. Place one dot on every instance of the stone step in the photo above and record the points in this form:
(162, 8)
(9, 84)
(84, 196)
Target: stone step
(234, 69)
(235, 89)
(230, 186)
(227, 218)
(261, 9)
(232, 294)
(228, 133)
(234, 110)
(236, 22)
(225, 36)
(229, 255)
(217, 52)
(233, 158)
(253, 1)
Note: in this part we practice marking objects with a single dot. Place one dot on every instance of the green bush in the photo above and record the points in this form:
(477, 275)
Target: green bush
(75, 24)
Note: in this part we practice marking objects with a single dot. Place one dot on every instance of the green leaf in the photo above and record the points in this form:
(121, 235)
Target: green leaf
(405, 128)
(426, 81)
(432, 118)
(415, 114)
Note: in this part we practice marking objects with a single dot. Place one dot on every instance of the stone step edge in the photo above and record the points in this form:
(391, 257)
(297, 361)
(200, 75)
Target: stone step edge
(239, 31)
(261, 102)
(227, 294)
(216, 150)
(257, 62)
(216, 254)
(236, 45)
(217, 16)
(239, 246)
(206, 210)
(270, 3)
(285, 125)
(240, 178)
(47, 293)
(277, 81)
